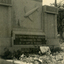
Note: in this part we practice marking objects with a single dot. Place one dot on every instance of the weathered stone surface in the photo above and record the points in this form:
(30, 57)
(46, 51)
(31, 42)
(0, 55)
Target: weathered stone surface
(45, 49)
(59, 57)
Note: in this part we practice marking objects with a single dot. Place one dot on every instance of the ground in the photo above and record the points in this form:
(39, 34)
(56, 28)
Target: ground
(56, 58)
(45, 59)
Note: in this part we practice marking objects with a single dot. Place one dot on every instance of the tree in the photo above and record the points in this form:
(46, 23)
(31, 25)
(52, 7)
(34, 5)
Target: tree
(60, 4)
(60, 18)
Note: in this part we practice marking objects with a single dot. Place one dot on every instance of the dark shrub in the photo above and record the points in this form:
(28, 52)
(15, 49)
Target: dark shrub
(54, 50)
(17, 54)
(7, 54)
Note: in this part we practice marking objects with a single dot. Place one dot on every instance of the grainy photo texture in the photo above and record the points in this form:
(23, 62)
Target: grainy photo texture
(31, 32)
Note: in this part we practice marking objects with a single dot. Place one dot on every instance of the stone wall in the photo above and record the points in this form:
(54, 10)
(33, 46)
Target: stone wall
(5, 27)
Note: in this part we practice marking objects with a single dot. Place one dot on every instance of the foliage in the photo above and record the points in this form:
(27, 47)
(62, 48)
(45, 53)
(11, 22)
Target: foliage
(60, 17)
(7, 54)
(16, 54)
(56, 49)
(11, 55)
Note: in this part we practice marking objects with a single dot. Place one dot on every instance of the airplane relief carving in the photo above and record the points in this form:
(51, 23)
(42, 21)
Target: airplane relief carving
(27, 14)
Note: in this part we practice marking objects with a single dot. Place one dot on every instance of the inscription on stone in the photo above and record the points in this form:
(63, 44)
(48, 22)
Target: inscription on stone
(29, 40)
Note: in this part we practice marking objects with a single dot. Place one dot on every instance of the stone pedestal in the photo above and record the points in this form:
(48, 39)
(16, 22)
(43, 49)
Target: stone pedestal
(50, 24)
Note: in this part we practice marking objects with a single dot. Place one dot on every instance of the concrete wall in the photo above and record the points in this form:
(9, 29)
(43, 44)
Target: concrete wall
(3, 21)
(5, 27)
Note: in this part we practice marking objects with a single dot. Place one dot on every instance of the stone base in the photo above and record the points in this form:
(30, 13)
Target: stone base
(4, 43)
(53, 42)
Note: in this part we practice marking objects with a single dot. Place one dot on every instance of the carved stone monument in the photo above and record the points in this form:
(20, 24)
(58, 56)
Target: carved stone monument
(26, 23)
